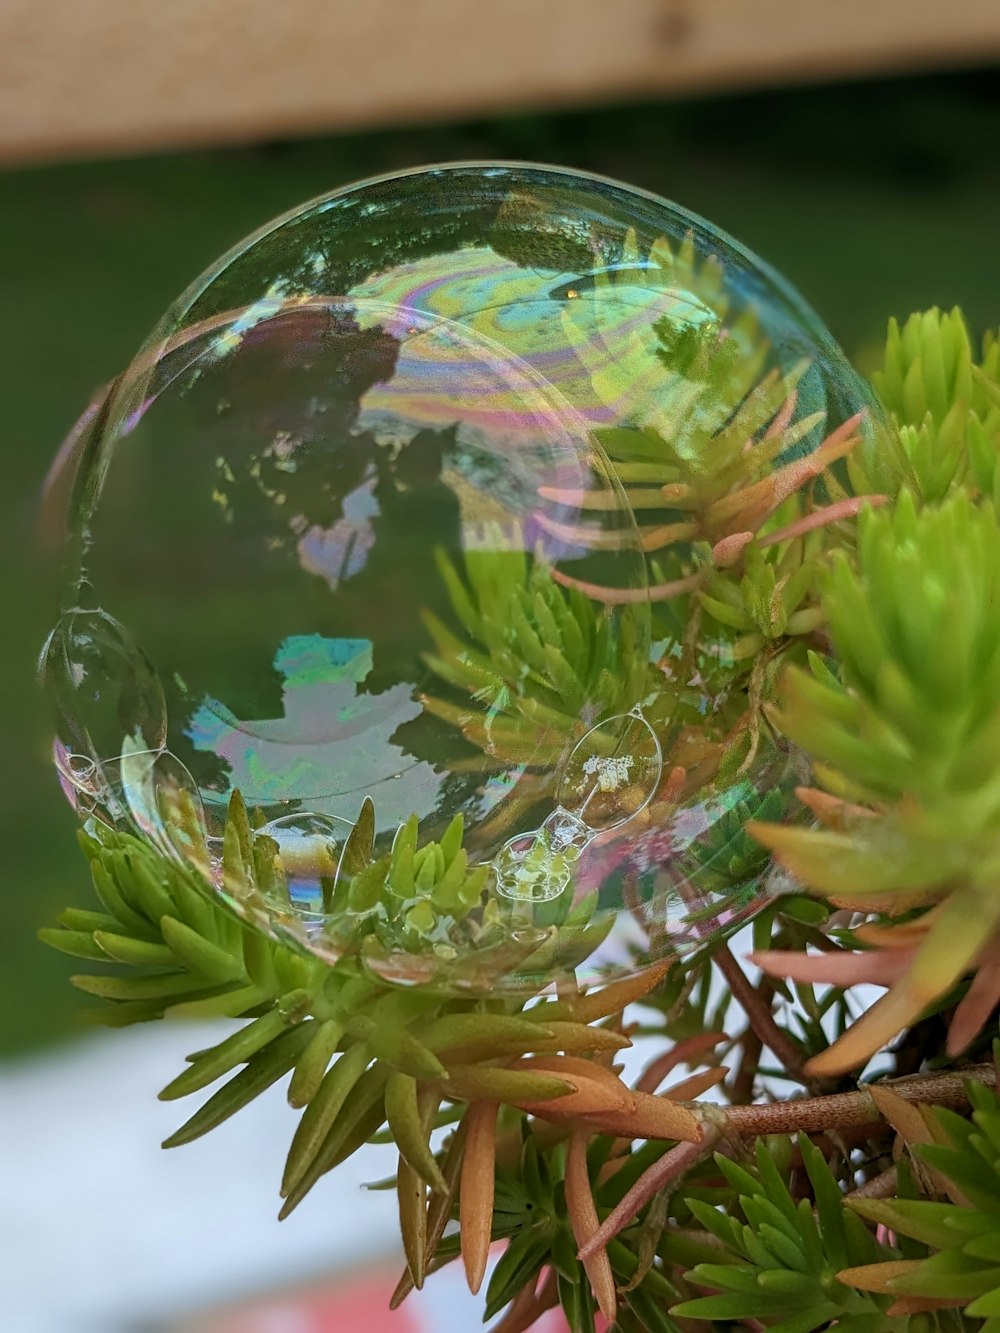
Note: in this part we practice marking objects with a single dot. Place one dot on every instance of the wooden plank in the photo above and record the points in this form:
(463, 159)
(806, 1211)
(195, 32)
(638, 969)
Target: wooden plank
(96, 76)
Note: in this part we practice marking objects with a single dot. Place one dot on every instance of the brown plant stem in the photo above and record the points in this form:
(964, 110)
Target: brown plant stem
(809, 1115)
(846, 1110)
(751, 1045)
(882, 1186)
(758, 1010)
(671, 1166)
(683, 1052)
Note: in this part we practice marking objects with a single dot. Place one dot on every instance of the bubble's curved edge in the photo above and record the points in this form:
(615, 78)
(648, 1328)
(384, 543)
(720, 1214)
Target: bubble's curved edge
(795, 302)
(501, 165)
(125, 393)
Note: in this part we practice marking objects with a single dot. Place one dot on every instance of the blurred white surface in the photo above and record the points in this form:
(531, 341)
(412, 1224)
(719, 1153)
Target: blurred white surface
(104, 1232)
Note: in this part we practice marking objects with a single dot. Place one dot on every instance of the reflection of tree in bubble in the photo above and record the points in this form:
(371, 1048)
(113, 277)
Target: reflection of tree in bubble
(324, 364)
(394, 228)
(537, 237)
(412, 500)
(360, 525)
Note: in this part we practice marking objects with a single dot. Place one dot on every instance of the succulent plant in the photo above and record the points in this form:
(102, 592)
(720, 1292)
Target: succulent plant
(839, 608)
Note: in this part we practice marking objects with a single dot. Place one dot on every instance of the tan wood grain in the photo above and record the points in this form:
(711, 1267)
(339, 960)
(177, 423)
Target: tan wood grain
(85, 76)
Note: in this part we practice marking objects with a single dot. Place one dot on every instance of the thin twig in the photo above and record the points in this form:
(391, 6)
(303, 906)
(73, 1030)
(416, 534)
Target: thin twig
(670, 1167)
(758, 1011)
(751, 1045)
(882, 1186)
(684, 1052)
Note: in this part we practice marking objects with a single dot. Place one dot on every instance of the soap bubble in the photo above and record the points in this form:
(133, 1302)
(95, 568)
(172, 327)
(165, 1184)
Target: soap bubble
(611, 775)
(373, 563)
(303, 854)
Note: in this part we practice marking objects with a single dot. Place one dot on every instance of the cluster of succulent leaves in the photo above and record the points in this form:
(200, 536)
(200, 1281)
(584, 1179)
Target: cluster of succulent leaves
(532, 660)
(848, 588)
(357, 1048)
(719, 472)
(779, 1255)
(902, 715)
(425, 903)
(412, 897)
(960, 1229)
(945, 404)
(541, 1255)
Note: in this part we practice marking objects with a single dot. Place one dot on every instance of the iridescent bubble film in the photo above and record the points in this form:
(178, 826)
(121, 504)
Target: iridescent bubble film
(381, 606)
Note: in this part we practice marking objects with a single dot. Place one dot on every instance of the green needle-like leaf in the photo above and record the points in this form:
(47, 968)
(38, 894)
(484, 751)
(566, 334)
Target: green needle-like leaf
(406, 1121)
(321, 1114)
(263, 1069)
(198, 955)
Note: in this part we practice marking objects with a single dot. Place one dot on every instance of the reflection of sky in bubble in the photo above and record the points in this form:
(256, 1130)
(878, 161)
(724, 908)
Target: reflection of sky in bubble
(337, 552)
(280, 759)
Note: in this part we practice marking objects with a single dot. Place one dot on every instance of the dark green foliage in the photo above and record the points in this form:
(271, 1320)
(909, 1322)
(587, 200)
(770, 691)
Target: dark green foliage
(779, 1265)
(963, 1231)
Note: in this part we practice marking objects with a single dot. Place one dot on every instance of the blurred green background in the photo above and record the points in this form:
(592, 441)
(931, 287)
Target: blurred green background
(875, 199)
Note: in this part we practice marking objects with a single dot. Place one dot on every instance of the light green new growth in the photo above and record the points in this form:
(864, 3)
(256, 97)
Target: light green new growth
(544, 660)
(945, 406)
(914, 708)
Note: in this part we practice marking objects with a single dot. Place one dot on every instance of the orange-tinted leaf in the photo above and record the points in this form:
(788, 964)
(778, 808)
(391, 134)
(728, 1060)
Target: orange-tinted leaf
(476, 1193)
(878, 1277)
(584, 1221)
